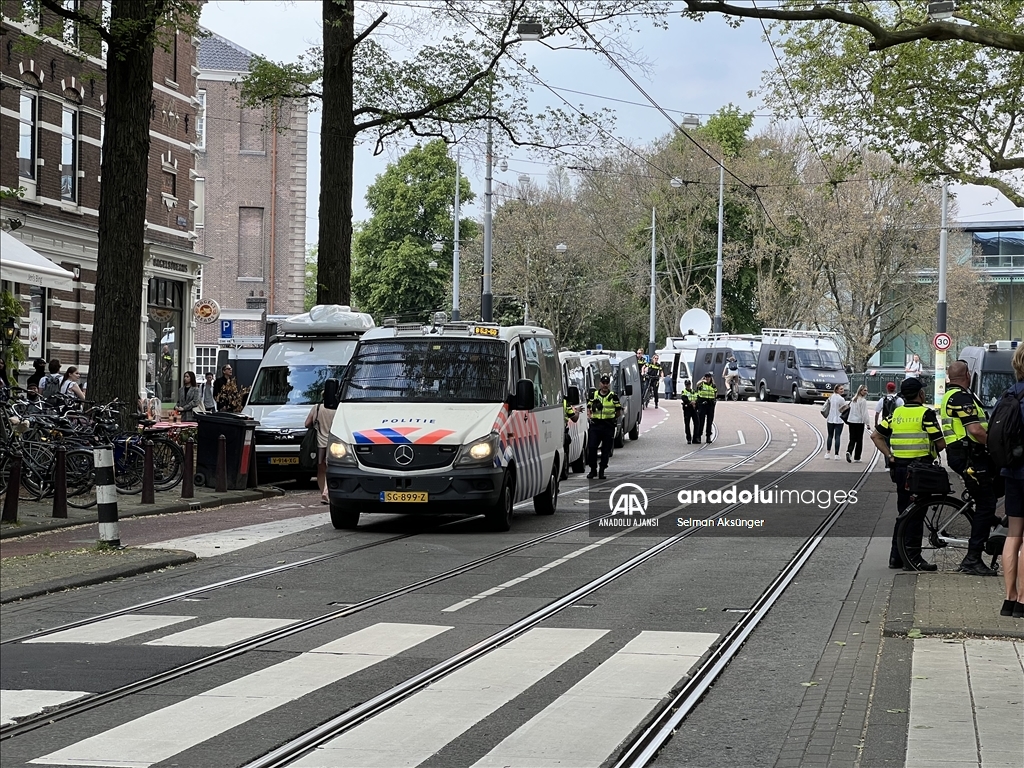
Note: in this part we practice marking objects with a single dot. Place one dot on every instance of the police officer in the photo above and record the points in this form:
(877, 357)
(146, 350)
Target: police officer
(604, 410)
(913, 432)
(571, 414)
(707, 396)
(965, 430)
(653, 374)
(688, 399)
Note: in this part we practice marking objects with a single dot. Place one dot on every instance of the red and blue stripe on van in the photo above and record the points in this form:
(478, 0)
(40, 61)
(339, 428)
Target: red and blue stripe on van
(400, 436)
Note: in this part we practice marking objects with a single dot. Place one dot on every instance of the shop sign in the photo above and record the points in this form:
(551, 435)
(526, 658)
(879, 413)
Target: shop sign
(175, 266)
(206, 311)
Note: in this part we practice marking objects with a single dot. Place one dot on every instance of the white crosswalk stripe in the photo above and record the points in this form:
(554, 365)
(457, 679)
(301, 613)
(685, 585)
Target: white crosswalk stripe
(112, 629)
(162, 734)
(15, 704)
(222, 542)
(587, 723)
(412, 731)
(221, 633)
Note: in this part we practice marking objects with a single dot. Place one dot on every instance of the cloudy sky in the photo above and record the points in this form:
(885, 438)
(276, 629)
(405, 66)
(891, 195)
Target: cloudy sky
(693, 68)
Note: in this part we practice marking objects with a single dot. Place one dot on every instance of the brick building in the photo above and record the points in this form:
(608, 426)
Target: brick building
(252, 183)
(51, 129)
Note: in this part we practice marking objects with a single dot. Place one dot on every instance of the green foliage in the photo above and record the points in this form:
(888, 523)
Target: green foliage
(728, 128)
(16, 353)
(309, 293)
(412, 205)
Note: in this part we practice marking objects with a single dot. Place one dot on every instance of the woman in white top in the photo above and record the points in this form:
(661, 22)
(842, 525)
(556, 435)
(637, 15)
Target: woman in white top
(913, 369)
(69, 387)
(858, 421)
(836, 405)
(324, 418)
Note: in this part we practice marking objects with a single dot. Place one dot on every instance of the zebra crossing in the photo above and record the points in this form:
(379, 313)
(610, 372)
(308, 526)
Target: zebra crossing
(585, 724)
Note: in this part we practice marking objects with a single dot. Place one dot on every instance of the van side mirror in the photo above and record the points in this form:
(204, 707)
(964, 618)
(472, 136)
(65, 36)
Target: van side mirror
(332, 392)
(629, 390)
(572, 395)
(523, 399)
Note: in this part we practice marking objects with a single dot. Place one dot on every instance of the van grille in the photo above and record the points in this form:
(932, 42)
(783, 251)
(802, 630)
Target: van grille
(423, 456)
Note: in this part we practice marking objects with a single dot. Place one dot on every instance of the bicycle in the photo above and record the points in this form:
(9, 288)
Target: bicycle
(732, 391)
(945, 522)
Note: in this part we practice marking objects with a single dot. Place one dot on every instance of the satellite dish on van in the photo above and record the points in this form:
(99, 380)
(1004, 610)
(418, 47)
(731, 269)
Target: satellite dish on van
(695, 320)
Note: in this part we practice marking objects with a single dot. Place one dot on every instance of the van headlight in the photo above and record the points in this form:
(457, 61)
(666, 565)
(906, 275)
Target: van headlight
(479, 452)
(746, 383)
(340, 452)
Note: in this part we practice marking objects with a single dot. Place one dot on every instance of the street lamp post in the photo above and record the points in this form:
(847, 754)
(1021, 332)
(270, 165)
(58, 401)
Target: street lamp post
(719, 265)
(455, 252)
(940, 309)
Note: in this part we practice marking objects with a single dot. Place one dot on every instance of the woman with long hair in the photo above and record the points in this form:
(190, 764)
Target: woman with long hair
(69, 387)
(857, 420)
(188, 397)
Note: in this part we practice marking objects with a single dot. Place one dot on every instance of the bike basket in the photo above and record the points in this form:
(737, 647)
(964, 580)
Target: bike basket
(928, 479)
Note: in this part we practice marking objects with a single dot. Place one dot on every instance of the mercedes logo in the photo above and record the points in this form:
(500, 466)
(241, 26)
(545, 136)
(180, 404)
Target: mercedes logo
(404, 455)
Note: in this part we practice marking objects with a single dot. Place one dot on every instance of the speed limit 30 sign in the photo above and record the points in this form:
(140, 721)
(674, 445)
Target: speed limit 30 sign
(942, 342)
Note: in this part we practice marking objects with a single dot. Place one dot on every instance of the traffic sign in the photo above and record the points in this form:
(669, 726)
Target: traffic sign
(942, 342)
(227, 329)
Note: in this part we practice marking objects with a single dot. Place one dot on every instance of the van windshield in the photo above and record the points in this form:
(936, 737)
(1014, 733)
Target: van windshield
(292, 385)
(992, 387)
(428, 370)
(824, 359)
(745, 358)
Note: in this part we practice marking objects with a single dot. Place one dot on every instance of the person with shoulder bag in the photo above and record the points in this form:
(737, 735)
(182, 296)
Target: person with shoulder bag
(833, 411)
(318, 422)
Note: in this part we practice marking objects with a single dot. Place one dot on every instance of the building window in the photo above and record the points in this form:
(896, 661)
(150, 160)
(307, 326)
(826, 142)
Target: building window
(69, 154)
(201, 120)
(27, 136)
(250, 243)
(199, 196)
(70, 28)
(103, 133)
(174, 57)
(170, 184)
(206, 360)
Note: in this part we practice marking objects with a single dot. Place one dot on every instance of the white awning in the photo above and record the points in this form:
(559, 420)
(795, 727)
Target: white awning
(20, 264)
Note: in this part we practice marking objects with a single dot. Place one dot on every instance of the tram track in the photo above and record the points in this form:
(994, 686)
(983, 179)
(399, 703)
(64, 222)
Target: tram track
(79, 706)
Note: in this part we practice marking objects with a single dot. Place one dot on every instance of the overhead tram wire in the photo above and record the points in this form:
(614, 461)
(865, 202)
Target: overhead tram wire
(668, 117)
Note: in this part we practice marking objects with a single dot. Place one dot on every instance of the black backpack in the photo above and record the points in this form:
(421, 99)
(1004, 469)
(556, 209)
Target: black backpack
(50, 384)
(888, 406)
(1006, 432)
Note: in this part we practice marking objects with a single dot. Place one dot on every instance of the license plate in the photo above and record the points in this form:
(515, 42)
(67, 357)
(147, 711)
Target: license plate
(404, 497)
(284, 459)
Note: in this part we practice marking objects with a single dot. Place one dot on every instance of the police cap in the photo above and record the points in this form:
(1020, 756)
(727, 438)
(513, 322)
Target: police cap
(604, 378)
(910, 387)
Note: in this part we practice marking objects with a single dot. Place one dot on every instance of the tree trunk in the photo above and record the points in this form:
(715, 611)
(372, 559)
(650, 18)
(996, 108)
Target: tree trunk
(114, 358)
(337, 151)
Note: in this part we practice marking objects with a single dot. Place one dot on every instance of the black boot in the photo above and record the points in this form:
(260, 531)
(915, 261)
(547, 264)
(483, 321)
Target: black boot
(973, 565)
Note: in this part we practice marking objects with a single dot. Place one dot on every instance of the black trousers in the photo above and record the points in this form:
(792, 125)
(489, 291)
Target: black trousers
(690, 419)
(985, 499)
(898, 474)
(856, 444)
(705, 417)
(602, 434)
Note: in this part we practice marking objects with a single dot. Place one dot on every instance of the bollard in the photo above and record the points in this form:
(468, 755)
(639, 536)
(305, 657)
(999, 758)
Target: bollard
(60, 484)
(10, 514)
(252, 480)
(106, 496)
(187, 477)
(222, 465)
(148, 497)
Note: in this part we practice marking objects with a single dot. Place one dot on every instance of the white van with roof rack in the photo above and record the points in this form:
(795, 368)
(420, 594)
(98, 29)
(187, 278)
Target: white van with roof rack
(450, 417)
(300, 355)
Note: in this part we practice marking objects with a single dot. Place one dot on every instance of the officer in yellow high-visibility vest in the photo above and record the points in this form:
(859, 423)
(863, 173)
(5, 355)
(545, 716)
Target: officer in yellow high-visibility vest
(965, 430)
(688, 398)
(604, 410)
(707, 396)
(913, 432)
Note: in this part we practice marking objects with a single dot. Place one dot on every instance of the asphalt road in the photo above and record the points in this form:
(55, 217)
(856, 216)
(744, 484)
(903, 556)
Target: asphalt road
(570, 691)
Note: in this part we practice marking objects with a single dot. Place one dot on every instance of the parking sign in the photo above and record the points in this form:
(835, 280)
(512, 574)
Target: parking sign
(227, 329)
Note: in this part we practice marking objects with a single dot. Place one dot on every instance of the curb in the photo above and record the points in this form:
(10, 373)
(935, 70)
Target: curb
(185, 505)
(58, 585)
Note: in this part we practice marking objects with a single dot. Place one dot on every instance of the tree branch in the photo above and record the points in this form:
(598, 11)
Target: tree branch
(55, 6)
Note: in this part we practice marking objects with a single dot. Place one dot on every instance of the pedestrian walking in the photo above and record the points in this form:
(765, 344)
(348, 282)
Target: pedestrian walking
(857, 420)
(653, 376)
(965, 430)
(912, 432)
(707, 396)
(1013, 477)
(887, 403)
(604, 410)
(913, 368)
(206, 393)
(323, 418)
(688, 399)
(69, 387)
(837, 406)
(50, 384)
(189, 397)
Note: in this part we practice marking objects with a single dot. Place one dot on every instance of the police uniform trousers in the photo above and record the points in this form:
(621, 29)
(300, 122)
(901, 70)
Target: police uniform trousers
(705, 417)
(898, 474)
(602, 435)
(690, 418)
(985, 495)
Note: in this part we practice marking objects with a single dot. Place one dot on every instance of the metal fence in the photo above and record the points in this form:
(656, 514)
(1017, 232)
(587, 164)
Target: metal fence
(876, 383)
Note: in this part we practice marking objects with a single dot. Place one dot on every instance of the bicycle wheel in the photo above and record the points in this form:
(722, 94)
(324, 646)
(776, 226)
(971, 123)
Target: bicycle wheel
(942, 525)
(128, 470)
(80, 478)
(37, 469)
(168, 464)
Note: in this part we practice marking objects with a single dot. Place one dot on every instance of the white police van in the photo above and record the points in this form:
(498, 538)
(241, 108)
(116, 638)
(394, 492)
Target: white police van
(451, 417)
(574, 385)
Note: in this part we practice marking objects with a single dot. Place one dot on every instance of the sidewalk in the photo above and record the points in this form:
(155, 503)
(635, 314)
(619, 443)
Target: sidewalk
(949, 604)
(26, 576)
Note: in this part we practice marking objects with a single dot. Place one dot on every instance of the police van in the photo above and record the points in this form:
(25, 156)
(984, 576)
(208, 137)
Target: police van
(627, 385)
(300, 355)
(574, 384)
(990, 370)
(802, 365)
(712, 355)
(450, 417)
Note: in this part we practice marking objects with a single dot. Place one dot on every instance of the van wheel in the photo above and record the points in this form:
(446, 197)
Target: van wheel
(620, 439)
(343, 516)
(762, 393)
(581, 463)
(499, 516)
(546, 503)
(634, 433)
(796, 395)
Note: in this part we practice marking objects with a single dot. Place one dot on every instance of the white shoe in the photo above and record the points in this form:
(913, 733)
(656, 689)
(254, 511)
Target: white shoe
(826, 457)
(856, 461)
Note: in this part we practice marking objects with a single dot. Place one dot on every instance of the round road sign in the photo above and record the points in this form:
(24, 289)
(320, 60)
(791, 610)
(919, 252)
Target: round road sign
(942, 342)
